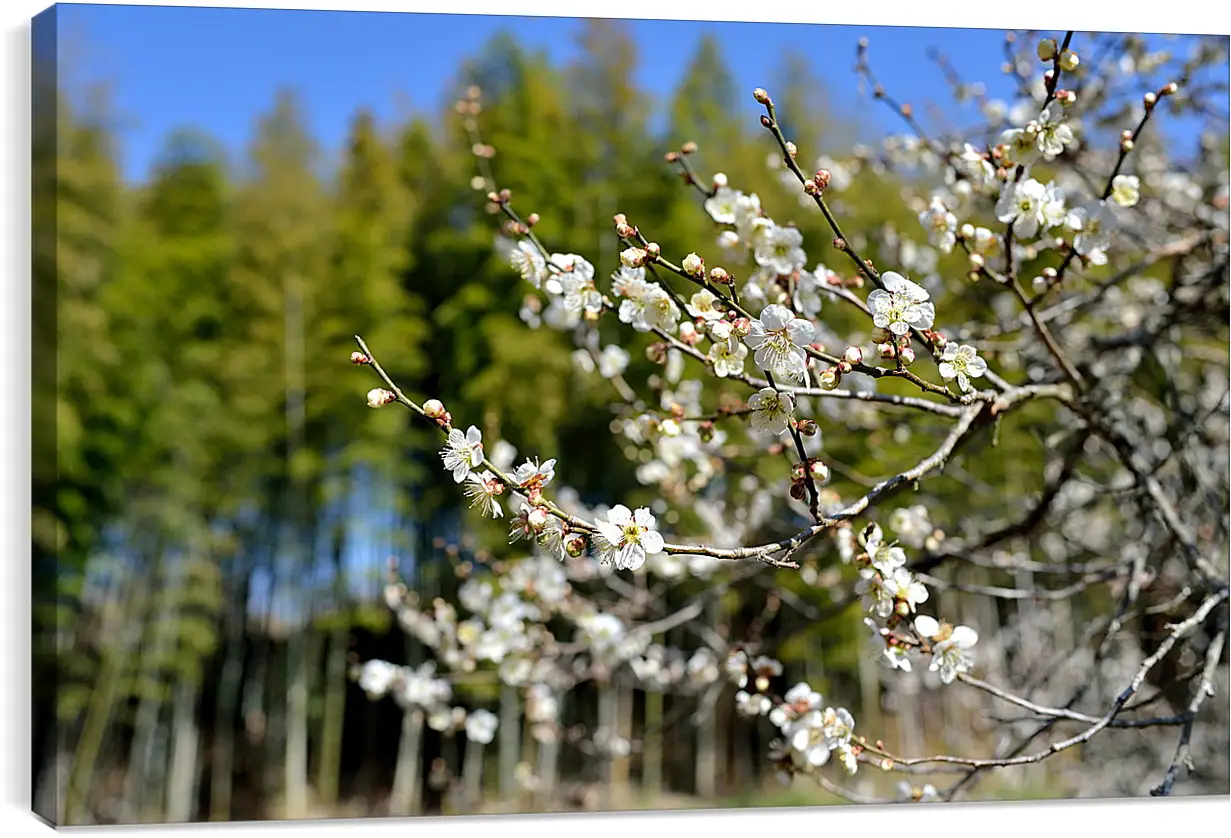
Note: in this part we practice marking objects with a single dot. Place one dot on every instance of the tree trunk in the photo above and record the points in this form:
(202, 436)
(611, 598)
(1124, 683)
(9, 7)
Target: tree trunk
(182, 781)
(510, 744)
(652, 747)
(404, 799)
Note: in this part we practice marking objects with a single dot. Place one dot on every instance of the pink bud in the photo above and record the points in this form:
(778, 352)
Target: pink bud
(379, 397)
(433, 408)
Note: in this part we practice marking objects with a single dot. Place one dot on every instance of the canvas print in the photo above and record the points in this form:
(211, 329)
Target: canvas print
(443, 414)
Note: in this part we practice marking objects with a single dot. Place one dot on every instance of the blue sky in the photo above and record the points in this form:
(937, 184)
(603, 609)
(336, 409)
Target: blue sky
(217, 69)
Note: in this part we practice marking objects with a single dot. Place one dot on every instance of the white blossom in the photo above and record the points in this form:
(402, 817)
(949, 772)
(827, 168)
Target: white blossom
(481, 726)
(781, 250)
(723, 205)
(771, 411)
(901, 305)
(1094, 223)
(1125, 190)
(627, 537)
(463, 452)
(483, 489)
(728, 357)
(528, 262)
(612, 361)
(941, 226)
(961, 363)
(779, 338)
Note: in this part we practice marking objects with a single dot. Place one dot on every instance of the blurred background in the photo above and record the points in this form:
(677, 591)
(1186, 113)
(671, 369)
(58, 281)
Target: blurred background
(222, 199)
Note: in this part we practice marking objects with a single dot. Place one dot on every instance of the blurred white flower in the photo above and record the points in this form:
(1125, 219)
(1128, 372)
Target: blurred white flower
(481, 726)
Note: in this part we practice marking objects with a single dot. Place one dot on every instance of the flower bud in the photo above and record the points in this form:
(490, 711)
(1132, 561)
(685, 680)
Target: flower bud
(633, 257)
(433, 408)
(653, 250)
(822, 178)
(811, 188)
(741, 326)
(884, 350)
(880, 335)
(1047, 49)
(671, 156)
(765, 122)
(798, 490)
(819, 471)
(625, 232)
(359, 358)
(976, 261)
(1050, 273)
(688, 148)
(967, 231)
(379, 397)
(844, 368)
(656, 352)
(1039, 284)
(1169, 90)
(907, 355)
(719, 180)
(537, 517)
(720, 276)
(1148, 100)
(853, 355)
(532, 219)
(761, 96)
(1067, 98)
(688, 333)
(1069, 61)
(902, 609)
(791, 150)
(706, 431)
(830, 378)
(694, 265)
(669, 427)
(575, 545)
(808, 427)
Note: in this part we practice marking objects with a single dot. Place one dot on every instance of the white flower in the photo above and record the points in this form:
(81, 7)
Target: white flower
(962, 363)
(893, 655)
(799, 700)
(475, 595)
(780, 250)
(728, 358)
(1126, 190)
(837, 725)
(949, 656)
(1023, 204)
(927, 627)
(647, 306)
(1094, 223)
(1020, 145)
(808, 290)
(528, 262)
(778, 337)
(531, 473)
(629, 282)
(752, 704)
(1052, 135)
(901, 305)
(376, 677)
(771, 411)
(483, 489)
(807, 740)
(627, 537)
(612, 361)
(941, 226)
(736, 667)
(905, 588)
(701, 304)
(884, 557)
(723, 205)
(693, 264)
(580, 294)
(462, 452)
(481, 726)
(976, 167)
(912, 525)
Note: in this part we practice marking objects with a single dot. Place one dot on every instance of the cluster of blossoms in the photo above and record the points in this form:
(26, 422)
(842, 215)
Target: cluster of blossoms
(891, 594)
(811, 732)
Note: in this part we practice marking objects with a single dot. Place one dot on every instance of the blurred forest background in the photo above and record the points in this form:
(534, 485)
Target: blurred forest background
(214, 504)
